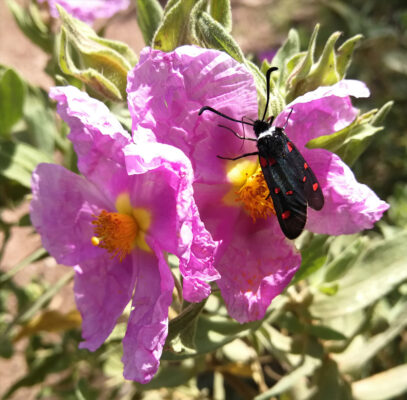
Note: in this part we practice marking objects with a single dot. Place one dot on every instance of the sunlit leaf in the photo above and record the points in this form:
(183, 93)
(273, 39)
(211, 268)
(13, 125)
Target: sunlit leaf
(12, 97)
(149, 14)
(18, 161)
(379, 269)
(382, 386)
(356, 357)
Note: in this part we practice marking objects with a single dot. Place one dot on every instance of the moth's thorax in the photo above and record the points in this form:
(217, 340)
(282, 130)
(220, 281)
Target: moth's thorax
(270, 143)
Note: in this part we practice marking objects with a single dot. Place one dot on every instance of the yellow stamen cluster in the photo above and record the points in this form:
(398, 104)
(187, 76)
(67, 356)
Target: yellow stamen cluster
(254, 194)
(115, 232)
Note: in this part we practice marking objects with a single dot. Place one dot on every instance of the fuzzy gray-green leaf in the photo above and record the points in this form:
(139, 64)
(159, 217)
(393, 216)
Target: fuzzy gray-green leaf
(214, 35)
(378, 270)
(344, 55)
(174, 28)
(350, 142)
(221, 11)
(149, 14)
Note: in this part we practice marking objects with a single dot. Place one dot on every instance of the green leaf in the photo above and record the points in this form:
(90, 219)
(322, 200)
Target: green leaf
(313, 255)
(295, 80)
(40, 120)
(169, 376)
(380, 116)
(185, 320)
(344, 55)
(174, 28)
(213, 35)
(329, 383)
(18, 160)
(307, 75)
(149, 14)
(357, 356)
(197, 9)
(324, 72)
(288, 381)
(385, 385)
(12, 97)
(325, 332)
(100, 63)
(221, 11)
(343, 262)
(213, 333)
(379, 269)
(288, 49)
(350, 142)
(169, 5)
(292, 324)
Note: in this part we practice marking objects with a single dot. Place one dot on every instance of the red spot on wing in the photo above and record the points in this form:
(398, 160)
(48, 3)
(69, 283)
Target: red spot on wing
(305, 165)
(289, 192)
(272, 161)
(315, 187)
(286, 214)
(277, 190)
(304, 179)
(290, 147)
(263, 162)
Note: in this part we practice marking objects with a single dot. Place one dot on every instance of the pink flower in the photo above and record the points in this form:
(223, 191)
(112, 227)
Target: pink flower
(88, 10)
(255, 260)
(115, 223)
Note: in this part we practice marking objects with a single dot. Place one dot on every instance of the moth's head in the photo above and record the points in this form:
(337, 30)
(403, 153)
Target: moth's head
(260, 126)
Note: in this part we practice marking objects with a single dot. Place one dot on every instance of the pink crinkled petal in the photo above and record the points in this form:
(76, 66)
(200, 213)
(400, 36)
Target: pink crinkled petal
(97, 137)
(349, 205)
(62, 210)
(197, 262)
(321, 112)
(255, 266)
(103, 287)
(343, 88)
(195, 290)
(180, 231)
(167, 90)
(147, 327)
(88, 10)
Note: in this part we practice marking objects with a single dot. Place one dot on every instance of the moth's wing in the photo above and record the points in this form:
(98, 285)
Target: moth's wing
(312, 188)
(287, 193)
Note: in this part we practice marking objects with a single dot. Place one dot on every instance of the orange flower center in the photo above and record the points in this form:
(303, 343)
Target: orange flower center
(254, 194)
(115, 232)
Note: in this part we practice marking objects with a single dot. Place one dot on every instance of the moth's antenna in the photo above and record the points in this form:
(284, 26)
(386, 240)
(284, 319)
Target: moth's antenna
(206, 108)
(268, 73)
(288, 117)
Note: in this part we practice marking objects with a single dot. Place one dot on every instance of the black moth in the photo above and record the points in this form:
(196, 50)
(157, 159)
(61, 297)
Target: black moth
(290, 180)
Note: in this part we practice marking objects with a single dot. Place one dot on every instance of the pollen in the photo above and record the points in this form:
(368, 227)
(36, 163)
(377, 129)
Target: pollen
(115, 232)
(254, 194)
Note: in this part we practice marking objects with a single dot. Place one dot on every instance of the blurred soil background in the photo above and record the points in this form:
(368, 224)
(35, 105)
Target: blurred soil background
(259, 25)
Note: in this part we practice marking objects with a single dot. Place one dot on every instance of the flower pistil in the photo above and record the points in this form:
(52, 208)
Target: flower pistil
(254, 194)
(115, 232)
